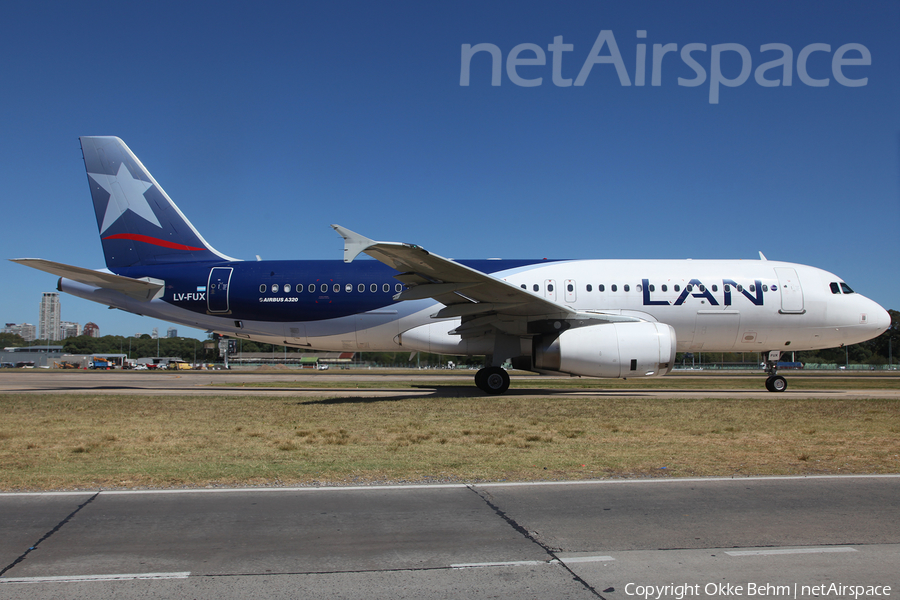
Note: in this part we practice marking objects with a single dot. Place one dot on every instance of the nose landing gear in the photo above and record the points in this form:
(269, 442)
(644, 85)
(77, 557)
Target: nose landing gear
(775, 382)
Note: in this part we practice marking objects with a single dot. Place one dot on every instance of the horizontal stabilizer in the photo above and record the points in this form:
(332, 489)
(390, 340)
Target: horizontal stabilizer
(140, 289)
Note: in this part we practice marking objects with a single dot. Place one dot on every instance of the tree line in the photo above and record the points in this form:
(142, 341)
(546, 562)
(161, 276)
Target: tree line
(876, 351)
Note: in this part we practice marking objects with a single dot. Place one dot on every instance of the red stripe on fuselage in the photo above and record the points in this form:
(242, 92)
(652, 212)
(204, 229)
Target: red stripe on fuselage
(150, 240)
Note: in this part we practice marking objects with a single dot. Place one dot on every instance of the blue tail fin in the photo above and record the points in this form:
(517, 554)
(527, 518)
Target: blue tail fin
(139, 224)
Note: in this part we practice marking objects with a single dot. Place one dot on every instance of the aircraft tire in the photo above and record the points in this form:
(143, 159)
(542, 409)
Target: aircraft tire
(480, 376)
(496, 381)
(776, 383)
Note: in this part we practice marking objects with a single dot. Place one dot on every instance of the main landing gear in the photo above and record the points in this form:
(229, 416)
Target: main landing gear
(492, 380)
(775, 382)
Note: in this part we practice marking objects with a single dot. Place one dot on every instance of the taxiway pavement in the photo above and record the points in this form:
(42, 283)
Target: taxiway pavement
(366, 385)
(612, 539)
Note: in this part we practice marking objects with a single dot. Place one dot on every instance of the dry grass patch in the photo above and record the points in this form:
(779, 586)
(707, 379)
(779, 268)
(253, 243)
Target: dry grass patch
(83, 441)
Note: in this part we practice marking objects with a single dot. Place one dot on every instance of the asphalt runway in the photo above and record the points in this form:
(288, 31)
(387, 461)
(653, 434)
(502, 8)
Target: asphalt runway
(716, 538)
(346, 385)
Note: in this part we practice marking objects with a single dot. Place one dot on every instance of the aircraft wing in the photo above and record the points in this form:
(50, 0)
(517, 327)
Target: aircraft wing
(464, 291)
(139, 289)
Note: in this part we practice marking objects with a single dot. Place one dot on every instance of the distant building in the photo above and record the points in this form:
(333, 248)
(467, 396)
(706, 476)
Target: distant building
(171, 332)
(31, 356)
(154, 335)
(92, 329)
(68, 329)
(24, 330)
(48, 321)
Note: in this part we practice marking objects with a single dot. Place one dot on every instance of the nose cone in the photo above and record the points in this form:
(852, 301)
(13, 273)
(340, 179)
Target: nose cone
(880, 320)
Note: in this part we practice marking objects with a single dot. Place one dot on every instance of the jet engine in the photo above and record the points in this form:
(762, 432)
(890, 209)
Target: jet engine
(614, 350)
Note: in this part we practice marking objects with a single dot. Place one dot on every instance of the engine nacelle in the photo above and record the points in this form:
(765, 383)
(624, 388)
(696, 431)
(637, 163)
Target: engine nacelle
(613, 350)
(436, 338)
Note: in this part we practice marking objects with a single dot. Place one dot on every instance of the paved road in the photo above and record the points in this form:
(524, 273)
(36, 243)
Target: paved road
(716, 538)
(345, 385)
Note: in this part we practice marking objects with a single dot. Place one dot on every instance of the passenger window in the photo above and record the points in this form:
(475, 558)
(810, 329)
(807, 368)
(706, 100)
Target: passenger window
(523, 286)
(589, 288)
(651, 287)
(311, 288)
(677, 288)
(323, 288)
(336, 287)
(613, 287)
(702, 287)
(398, 287)
(727, 288)
(536, 288)
(753, 288)
(549, 287)
(639, 288)
(601, 288)
(740, 288)
(570, 287)
(689, 288)
(665, 288)
(361, 288)
(348, 288)
(835, 288)
(386, 288)
(846, 288)
(287, 288)
(626, 287)
(715, 288)
(263, 288)
(765, 288)
(274, 288)
(373, 288)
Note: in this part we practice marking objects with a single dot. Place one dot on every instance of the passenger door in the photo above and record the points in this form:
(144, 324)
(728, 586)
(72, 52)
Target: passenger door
(217, 290)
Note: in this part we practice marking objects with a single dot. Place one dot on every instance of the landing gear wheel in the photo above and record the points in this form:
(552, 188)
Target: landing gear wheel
(776, 383)
(492, 380)
(480, 376)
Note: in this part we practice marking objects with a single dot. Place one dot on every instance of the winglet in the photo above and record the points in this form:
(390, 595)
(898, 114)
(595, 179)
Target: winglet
(354, 244)
(762, 256)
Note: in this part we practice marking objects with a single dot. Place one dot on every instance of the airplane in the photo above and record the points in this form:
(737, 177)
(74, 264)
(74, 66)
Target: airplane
(597, 318)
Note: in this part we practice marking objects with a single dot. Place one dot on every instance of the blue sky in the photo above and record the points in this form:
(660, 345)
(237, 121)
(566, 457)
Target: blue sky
(266, 122)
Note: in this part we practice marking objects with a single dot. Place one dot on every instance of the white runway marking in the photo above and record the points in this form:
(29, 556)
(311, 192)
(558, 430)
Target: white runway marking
(585, 559)
(76, 578)
(512, 563)
(790, 551)
(425, 486)
(531, 563)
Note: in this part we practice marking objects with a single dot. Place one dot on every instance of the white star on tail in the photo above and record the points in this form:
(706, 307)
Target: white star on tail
(125, 193)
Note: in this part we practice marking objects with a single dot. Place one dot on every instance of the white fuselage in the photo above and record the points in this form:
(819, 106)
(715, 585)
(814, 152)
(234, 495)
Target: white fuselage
(713, 305)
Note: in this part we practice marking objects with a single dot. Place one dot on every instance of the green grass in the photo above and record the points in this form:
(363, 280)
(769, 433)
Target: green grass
(89, 441)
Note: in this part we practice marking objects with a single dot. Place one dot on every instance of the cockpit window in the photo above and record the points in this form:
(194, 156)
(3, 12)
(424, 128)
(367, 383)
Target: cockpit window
(846, 288)
(834, 288)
